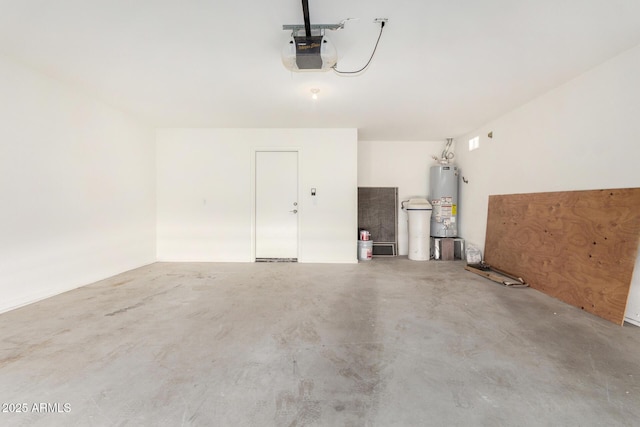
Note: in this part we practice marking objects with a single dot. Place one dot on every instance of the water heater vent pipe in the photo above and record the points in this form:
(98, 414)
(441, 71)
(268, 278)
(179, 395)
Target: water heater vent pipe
(446, 155)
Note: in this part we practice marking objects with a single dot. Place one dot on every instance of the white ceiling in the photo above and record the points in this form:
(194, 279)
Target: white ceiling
(443, 67)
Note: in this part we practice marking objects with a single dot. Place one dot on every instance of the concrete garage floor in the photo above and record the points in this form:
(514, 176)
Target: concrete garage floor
(384, 343)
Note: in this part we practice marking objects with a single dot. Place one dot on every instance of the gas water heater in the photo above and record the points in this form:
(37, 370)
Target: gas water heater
(443, 195)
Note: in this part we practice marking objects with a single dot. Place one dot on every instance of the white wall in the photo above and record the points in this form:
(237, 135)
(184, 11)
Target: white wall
(633, 302)
(205, 192)
(580, 136)
(77, 188)
(399, 164)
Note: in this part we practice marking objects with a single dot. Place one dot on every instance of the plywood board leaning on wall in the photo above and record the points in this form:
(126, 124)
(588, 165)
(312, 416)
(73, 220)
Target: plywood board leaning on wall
(577, 246)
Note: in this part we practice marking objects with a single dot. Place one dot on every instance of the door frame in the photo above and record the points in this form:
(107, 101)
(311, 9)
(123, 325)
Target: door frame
(254, 154)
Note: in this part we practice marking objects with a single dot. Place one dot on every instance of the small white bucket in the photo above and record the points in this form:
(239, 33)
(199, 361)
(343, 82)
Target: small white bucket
(365, 250)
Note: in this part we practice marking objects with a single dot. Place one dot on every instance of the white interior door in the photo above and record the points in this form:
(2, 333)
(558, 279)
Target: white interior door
(276, 205)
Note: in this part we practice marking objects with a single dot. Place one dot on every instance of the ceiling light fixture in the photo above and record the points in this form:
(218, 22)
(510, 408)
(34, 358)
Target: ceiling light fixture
(314, 93)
